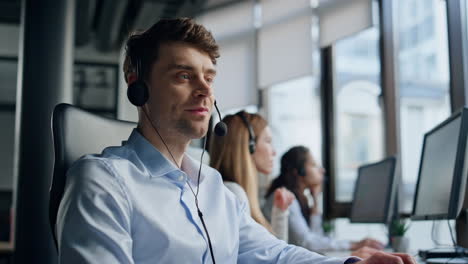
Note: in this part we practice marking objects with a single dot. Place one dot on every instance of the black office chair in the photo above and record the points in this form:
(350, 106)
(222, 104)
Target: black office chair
(77, 132)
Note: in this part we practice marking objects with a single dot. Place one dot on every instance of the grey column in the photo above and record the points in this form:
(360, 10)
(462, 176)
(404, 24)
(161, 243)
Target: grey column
(391, 95)
(458, 53)
(390, 88)
(44, 79)
(458, 58)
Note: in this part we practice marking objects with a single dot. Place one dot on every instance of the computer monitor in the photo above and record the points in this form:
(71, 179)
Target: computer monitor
(440, 190)
(374, 193)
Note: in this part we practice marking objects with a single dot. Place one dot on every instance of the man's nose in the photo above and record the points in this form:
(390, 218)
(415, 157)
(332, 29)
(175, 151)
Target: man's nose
(203, 89)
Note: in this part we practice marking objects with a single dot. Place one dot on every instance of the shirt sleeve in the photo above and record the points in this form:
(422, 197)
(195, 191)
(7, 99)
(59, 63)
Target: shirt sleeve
(301, 235)
(315, 224)
(279, 222)
(93, 222)
(257, 245)
(239, 192)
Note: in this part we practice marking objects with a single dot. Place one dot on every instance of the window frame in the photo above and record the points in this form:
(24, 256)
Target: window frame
(458, 52)
(391, 114)
(457, 26)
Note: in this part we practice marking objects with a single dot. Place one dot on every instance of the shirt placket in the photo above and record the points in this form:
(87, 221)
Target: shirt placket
(187, 200)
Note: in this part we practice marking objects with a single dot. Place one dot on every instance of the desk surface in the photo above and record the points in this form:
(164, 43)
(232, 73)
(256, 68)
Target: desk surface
(341, 253)
(346, 253)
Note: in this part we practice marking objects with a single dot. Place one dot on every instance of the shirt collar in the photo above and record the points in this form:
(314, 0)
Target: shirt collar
(151, 157)
(191, 167)
(157, 164)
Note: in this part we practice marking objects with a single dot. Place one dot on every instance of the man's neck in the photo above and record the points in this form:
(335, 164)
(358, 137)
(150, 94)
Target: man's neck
(172, 146)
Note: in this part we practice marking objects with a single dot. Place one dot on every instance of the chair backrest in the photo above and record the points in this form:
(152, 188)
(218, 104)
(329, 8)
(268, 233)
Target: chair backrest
(77, 132)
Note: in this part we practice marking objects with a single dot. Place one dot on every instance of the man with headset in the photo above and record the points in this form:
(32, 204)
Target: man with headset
(148, 202)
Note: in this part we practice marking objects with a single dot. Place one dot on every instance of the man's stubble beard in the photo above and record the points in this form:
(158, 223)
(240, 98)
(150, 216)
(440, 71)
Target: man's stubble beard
(186, 128)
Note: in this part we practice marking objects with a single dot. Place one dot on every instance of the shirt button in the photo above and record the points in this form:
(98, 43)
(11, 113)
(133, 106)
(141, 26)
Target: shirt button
(181, 177)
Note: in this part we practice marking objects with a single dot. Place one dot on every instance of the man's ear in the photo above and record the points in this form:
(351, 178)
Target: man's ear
(131, 78)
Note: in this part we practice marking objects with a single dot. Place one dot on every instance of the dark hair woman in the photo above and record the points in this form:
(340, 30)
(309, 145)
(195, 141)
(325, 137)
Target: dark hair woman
(300, 171)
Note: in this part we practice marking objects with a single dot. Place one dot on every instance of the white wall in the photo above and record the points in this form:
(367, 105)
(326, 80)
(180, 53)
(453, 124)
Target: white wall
(10, 40)
(9, 47)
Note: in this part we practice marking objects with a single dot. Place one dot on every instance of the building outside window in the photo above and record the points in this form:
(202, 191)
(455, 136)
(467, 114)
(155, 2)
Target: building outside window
(358, 113)
(424, 98)
(294, 115)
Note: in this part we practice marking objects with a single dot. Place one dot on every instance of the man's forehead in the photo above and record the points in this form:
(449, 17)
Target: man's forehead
(184, 54)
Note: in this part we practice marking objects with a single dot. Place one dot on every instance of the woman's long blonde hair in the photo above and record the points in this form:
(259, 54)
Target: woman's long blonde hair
(231, 157)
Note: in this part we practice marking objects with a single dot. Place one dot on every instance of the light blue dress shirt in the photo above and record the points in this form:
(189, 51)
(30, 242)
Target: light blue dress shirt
(131, 205)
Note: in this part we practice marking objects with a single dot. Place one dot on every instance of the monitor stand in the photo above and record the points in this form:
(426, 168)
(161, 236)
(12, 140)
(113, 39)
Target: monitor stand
(447, 261)
(462, 228)
(448, 253)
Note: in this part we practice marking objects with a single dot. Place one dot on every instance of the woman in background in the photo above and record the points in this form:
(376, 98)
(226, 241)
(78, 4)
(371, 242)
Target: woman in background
(240, 156)
(299, 171)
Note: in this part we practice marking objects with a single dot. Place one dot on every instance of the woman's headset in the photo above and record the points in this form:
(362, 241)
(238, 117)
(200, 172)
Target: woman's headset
(252, 138)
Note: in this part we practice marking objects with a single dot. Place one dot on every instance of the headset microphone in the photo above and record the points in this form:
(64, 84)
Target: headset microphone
(221, 128)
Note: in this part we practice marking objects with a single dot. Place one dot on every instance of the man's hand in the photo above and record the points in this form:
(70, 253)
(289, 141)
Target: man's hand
(368, 242)
(283, 198)
(388, 258)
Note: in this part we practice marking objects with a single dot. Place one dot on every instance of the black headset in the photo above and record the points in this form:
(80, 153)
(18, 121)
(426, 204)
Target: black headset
(301, 170)
(138, 95)
(252, 137)
(137, 91)
(297, 167)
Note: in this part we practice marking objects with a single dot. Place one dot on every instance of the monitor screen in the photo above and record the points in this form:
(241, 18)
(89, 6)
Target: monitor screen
(442, 171)
(374, 192)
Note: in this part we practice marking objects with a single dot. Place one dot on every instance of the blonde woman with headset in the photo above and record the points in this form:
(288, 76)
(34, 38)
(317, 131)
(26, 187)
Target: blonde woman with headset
(240, 156)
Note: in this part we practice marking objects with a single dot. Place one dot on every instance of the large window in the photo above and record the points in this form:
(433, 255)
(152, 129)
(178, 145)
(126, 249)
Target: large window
(424, 97)
(294, 116)
(358, 113)
(423, 83)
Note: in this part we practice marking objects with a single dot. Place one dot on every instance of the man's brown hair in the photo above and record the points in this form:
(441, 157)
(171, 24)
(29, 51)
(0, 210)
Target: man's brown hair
(142, 47)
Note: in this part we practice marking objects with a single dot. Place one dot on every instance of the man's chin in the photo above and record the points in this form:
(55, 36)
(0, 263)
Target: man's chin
(199, 134)
(196, 132)
(192, 130)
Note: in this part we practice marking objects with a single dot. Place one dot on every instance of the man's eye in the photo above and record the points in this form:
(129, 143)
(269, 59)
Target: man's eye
(184, 76)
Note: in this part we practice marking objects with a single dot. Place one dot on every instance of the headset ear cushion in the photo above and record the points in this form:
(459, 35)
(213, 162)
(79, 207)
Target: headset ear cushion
(252, 147)
(137, 93)
(301, 171)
